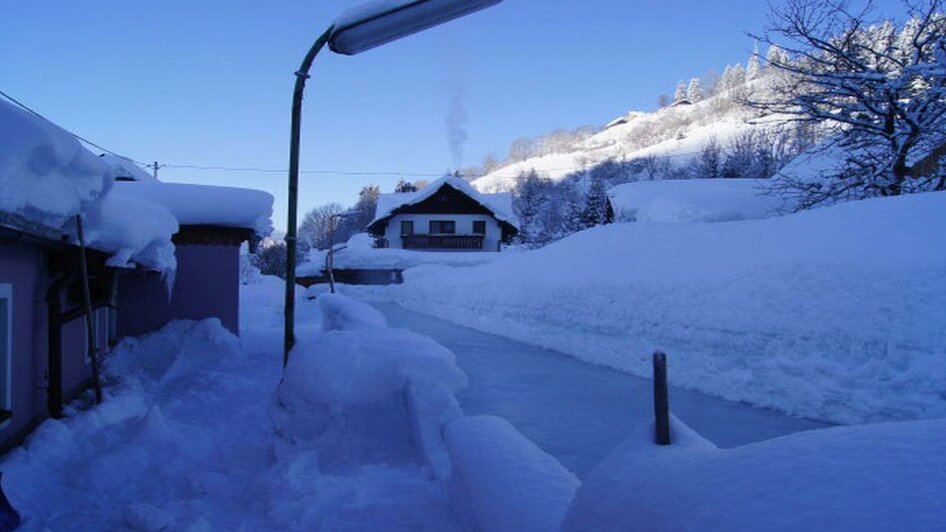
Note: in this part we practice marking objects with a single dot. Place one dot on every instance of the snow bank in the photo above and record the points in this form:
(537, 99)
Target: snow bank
(693, 200)
(504, 482)
(885, 476)
(837, 314)
(360, 253)
(108, 459)
(362, 392)
(340, 313)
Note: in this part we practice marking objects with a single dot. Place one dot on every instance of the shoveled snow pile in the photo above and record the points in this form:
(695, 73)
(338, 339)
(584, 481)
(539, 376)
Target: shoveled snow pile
(360, 253)
(884, 476)
(837, 314)
(693, 200)
(362, 392)
(140, 460)
(502, 482)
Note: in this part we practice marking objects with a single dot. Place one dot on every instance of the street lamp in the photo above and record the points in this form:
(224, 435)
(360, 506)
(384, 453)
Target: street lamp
(330, 256)
(357, 30)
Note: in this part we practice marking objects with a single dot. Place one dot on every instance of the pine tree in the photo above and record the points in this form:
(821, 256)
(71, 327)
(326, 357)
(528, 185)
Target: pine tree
(405, 186)
(681, 93)
(596, 204)
(753, 67)
(775, 56)
(694, 92)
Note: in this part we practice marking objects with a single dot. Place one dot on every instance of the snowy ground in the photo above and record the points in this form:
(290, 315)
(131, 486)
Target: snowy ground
(185, 441)
(576, 411)
(836, 314)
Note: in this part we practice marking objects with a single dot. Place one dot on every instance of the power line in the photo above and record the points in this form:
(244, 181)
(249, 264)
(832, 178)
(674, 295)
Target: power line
(285, 170)
(396, 173)
(78, 137)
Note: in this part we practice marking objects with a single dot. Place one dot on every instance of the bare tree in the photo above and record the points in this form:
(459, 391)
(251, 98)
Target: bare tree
(317, 223)
(881, 92)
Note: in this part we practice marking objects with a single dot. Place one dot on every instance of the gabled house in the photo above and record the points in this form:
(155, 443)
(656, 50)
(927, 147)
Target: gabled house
(155, 252)
(446, 215)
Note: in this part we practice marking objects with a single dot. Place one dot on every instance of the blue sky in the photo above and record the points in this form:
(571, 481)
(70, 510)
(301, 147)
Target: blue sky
(189, 82)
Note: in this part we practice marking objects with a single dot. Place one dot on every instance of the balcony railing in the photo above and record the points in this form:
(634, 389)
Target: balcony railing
(442, 241)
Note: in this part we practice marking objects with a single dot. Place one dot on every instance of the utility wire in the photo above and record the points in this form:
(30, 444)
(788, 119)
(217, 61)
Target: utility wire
(398, 173)
(78, 137)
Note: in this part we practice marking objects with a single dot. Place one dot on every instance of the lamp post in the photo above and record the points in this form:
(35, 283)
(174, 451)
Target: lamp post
(357, 30)
(330, 257)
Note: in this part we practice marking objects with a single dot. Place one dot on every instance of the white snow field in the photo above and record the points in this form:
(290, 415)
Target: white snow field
(836, 314)
(190, 438)
(576, 411)
(883, 477)
(199, 432)
(693, 200)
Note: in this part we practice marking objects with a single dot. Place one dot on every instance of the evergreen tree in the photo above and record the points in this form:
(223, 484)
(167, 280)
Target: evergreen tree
(596, 204)
(681, 93)
(694, 93)
(405, 186)
(753, 67)
(709, 160)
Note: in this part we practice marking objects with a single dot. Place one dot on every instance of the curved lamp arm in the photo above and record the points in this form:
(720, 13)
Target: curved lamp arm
(301, 76)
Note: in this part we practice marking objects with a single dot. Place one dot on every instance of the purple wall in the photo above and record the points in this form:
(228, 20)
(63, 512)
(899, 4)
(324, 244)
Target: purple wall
(207, 285)
(21, 266)
(24, 267)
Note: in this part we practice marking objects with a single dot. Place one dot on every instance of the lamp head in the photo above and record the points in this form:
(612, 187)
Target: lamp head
(371, 25)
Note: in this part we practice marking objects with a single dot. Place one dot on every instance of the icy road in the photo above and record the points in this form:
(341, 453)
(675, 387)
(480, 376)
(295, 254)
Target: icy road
(578, 411)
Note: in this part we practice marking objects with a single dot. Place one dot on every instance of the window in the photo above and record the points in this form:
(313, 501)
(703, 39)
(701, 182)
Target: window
(6, 352)
(443, 227)
(479, 227)
(407, 227)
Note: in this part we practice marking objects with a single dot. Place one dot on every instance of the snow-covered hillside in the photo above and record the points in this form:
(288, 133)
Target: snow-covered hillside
(837, 313)
(674, 135)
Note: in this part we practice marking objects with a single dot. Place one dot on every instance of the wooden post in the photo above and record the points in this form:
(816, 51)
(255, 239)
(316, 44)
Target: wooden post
(87, 302)
(661, 400)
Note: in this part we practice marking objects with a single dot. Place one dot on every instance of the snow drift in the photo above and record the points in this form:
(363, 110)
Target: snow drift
(837, 314)
(885, 476)
(693, 200)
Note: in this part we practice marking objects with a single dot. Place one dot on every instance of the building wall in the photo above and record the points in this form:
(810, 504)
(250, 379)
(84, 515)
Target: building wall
(207, 284)
(22, 266)
(464, 226)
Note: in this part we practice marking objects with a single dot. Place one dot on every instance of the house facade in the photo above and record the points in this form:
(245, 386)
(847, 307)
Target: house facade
(447, 215)
(154, 252)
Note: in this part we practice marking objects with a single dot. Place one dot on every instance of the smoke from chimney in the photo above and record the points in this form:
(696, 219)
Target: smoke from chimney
(456, 124)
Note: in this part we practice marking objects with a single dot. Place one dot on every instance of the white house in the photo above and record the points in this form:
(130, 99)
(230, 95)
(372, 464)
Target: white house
(447, 215)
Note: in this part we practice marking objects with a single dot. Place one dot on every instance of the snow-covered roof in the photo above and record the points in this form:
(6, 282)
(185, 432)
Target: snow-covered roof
(47, 177)
(500, 204)
(243, 208)
(693, 200)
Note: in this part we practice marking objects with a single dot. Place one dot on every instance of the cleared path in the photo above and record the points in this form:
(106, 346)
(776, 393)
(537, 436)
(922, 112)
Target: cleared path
(577, 411)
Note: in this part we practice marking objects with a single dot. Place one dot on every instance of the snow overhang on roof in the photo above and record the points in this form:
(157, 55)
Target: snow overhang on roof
(242, 208)
(499, 204)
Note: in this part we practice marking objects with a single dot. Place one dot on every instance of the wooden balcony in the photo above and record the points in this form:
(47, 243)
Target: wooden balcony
(467, 242)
